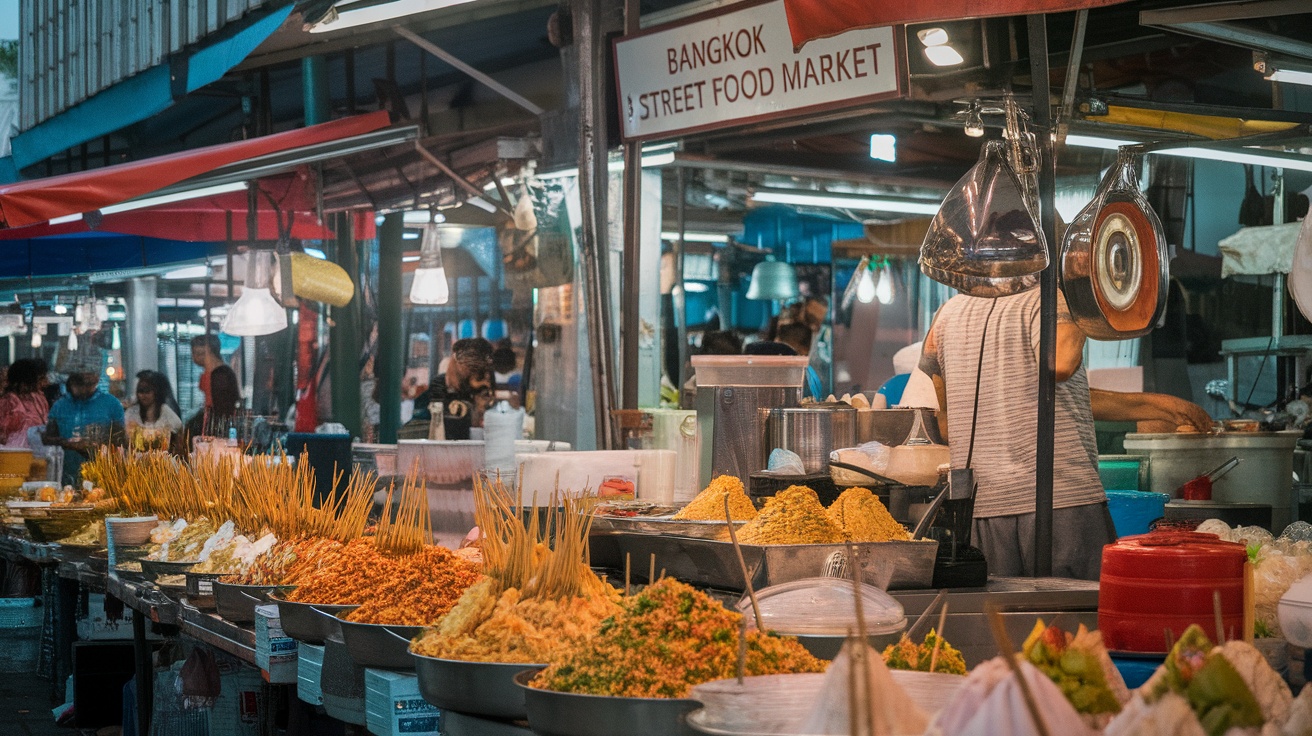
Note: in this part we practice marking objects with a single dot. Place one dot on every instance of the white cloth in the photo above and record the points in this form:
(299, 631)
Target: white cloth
(1259, 250)
(167, 419)
(969, 715)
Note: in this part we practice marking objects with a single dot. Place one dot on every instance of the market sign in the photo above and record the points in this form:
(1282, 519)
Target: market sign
(739, 66)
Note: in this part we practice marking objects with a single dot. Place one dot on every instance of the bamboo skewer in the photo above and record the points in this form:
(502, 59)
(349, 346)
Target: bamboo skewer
(1216, 612)
(938, 640)
(1250, 603)
(742, 564)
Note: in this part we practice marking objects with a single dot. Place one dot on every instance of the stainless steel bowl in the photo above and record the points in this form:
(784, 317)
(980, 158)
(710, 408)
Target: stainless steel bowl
(381, 646)
(236, 603)
(312, 623)
(477, 688)
(552, 713)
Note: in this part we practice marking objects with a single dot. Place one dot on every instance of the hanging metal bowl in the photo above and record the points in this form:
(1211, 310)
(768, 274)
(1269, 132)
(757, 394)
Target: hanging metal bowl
(985, 240)
(1114, 260)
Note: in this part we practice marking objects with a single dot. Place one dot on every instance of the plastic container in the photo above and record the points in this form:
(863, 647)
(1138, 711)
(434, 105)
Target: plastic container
(445, 462)
(1134, 511)
(1123, 472)
(1295, 613)
(750, 370)
(824, 607)
(1164, 581)
(651, 472)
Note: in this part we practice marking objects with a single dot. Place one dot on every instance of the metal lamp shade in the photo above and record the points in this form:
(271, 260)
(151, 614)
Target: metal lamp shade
(985, 241)
(773, 281)
(256, 311)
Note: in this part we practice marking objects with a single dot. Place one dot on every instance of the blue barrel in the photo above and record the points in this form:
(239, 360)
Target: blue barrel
(1133, 511)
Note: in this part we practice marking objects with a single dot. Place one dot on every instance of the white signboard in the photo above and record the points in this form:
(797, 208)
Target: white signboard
(739, 66)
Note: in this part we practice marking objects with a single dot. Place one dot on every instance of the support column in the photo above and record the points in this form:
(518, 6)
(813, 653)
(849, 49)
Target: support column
(142, 351)
(1047, 419)
(344, 338)
(390, 363)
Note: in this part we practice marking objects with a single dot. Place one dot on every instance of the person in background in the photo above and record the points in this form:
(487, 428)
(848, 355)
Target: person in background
(714, 342)
(505, 372)
(23, 404)
(79, 421)
(154, 417)
(464, 390)
(905, 361)
(799, 337)
(219, 385)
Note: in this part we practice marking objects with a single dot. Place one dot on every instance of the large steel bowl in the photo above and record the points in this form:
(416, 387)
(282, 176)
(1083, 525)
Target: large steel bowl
(312, 623)
(382, 646)
(476, 688)
(552, 713)
(236, 603)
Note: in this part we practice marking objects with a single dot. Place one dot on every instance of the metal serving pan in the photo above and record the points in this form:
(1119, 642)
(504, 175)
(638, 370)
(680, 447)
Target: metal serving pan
(476, 688)
(552, 713)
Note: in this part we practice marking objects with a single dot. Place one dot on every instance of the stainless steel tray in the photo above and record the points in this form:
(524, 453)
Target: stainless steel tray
(552, 713)
(891, 565)
(477, 688)
(664, 525)
(236, 603)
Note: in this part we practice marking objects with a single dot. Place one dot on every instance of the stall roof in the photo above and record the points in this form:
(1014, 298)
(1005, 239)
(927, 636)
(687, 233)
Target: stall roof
(42, 200)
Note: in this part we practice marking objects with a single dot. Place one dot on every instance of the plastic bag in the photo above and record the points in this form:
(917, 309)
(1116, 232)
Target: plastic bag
(785, 462)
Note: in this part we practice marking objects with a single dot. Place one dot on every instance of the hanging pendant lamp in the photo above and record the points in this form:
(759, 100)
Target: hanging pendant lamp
(256, 312)
(773, 281)
(429, 285)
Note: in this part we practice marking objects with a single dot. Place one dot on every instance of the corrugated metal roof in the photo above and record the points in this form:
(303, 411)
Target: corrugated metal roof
(72, 49)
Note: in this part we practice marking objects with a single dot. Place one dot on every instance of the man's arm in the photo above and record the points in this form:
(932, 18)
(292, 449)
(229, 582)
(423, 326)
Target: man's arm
(929, 365)
(1070, 350)
(1163, 411)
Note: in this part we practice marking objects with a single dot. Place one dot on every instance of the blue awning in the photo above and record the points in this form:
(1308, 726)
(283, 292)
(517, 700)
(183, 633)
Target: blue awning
(95, 252)
(146, 94)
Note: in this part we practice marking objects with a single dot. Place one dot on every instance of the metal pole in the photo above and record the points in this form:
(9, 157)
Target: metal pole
(593, 186)
(344, 340)
(630, 304)
(491, 83)
(390, 362)
(677, 300)
(144, 673)
(1047, 418)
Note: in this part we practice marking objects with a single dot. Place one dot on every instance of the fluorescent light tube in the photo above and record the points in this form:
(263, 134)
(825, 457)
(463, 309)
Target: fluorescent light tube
(695, 237)
(1290, 76)
(1096, 141)
(137, 204)
(1268, 158)
(849, 202)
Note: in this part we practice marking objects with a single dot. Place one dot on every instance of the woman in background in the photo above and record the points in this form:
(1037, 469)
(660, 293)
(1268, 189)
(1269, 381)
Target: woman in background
(23, 404)
(153, 419)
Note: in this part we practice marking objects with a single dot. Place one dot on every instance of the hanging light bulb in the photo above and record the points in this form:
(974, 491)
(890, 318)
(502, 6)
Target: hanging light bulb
(116, 342)
(865, 286)
(60, 308)
(72, 341)
(884, 291)
(256, 311)
(429, 285)
(77, 312)
(36, 336)
(974, 123)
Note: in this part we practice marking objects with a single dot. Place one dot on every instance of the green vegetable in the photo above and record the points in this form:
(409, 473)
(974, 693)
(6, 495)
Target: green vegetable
(1218, 695)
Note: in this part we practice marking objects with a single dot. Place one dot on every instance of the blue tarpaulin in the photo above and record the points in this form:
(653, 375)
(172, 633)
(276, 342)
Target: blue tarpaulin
(60, 255)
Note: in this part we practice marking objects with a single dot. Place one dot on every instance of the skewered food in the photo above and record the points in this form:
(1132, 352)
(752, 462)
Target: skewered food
(908, 655)
(539, 593)
(667, 639)
(709, 504)
(419, 589)
(1075, 663)
(862, 517)
(792, 516)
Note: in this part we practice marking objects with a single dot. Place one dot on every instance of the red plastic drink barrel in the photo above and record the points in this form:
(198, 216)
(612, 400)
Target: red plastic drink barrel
(1164, 581)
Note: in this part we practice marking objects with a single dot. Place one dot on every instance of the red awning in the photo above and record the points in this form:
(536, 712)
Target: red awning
(214, 218)
(812, 19)
(41, 200)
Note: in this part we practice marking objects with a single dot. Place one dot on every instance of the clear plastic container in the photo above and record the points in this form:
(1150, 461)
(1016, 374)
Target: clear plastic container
(750, 370)
(824, 607)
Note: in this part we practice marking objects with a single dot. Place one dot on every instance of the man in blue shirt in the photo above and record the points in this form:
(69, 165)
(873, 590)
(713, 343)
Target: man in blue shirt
(79, 421)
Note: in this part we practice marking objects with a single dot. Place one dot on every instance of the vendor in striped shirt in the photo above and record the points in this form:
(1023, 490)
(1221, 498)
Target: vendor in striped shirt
(983, 355)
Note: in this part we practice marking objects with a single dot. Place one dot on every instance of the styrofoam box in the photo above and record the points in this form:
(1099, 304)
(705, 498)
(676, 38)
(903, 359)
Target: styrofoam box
(309, 672)
(393, 705)
(275, 652)
(95, 627)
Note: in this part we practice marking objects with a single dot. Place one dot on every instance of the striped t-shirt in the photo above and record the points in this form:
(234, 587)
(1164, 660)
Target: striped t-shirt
(1005, 448)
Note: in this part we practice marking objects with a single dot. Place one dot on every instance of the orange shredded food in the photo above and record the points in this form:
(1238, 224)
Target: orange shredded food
(709, 504)
(667, 639)
(792, 516)
(862, 517)
(287, 561)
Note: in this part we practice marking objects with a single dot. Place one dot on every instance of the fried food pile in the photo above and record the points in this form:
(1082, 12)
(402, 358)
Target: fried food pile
(908, 655)
(539, 593)
(709, 504)
(407, 590)
(792, 516)
(861, 516)
(667, 639)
